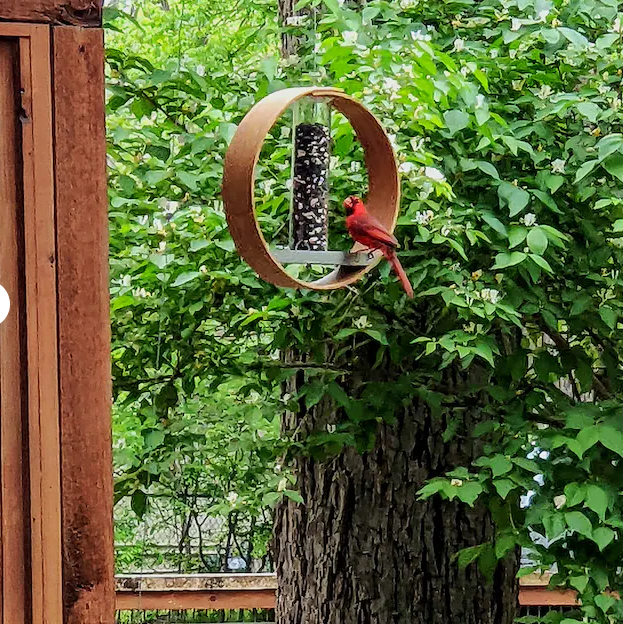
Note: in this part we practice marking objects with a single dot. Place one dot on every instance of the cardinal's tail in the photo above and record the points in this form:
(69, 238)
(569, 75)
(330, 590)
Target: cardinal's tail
(392, 258)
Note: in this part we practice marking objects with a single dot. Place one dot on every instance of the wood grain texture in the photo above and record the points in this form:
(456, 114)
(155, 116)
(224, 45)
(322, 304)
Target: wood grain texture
(84, 326)
(13, 481)
(40, 289)
(74, 12)
(183, 600)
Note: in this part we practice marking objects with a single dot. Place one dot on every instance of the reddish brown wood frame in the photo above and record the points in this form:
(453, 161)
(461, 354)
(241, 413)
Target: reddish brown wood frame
(258, 591)
(56, 559)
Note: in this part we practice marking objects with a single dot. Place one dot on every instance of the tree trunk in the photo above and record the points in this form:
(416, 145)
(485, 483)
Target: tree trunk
(364, 550)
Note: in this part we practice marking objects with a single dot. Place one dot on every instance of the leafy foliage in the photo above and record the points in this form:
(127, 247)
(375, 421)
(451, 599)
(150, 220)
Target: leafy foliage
(506, 117)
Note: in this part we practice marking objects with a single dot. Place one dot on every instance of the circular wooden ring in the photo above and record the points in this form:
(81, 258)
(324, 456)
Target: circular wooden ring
(382, 201)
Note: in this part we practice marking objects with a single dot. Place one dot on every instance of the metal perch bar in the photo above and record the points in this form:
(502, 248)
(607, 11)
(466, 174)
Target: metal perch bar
(329, 258)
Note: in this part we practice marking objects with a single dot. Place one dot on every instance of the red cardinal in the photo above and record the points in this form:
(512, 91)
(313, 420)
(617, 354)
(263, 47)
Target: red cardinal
(368, 231)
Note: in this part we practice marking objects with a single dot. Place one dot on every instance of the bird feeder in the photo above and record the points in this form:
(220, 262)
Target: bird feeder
(308, 240)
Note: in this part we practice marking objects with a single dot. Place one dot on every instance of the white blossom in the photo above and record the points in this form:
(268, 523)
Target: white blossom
(559, 501)
(355, 166)
(296, 20)
(418, 35)
(283, 485)
(162, 245)
(529, 219)
(267, 186)
(456, 482)
(480, 101)
(617, 25)
(434, 174)
(407, 167)
(232, 497)
(361, 322)
(424, 218)
(391, 84)
(126, 280)
(543, 15)
(544, 92)
(425, 190)
(201, 70)
(408, 4)
(168, 206)
(490, 294)
(350, 37)
(459, 45)
(558, 165)
(393, 139)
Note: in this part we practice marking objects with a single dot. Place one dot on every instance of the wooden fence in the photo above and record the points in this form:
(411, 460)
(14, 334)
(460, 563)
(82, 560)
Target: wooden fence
(178, 592)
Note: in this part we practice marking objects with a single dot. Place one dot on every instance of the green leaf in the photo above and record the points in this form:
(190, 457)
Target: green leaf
(577, 418)
(587, 438)
(504, 487)
(608, 316)
(184, 278)
(469, 555)
(579, 582)
(618, 226)
(581, 303)
(590, 110)
(503, 545)
(504, 260)
(293, 495)
(542, 262)
(483, 350)
(585, 169)
(597, 501)
(574, 493)
(469, 492)
(514, 197)
(488, 168)
(602, 536)
(611, 438)
(138, 503)
(516, 236)
(579, 523)
(455, 120)
(537, 241)
(574, 37)
(154, 438)
(500, 465)
(377, 335)
(313, 393)
(337, 392)
(614, 166)
(494, 223)
(609, 144)
(527, 464)
(605, 601)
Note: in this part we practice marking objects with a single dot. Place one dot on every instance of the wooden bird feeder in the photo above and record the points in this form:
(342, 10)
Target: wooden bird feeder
(382, 201)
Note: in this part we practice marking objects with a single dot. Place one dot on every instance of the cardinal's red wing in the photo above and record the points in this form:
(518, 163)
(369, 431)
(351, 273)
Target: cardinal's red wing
(368, 230)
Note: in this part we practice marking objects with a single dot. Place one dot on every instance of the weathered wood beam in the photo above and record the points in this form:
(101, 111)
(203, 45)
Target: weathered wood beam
(83, 325)
(179, 592)
(87, 13)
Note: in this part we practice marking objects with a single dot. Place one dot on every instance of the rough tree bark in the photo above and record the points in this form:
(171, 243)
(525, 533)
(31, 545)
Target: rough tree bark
(364, 550)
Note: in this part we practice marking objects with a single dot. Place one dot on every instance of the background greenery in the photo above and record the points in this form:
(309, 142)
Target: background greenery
(506, 118)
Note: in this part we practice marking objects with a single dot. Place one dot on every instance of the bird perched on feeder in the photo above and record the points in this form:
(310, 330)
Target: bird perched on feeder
(368, 231)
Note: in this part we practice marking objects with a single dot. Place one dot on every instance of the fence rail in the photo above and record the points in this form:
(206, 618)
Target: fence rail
(179, 592)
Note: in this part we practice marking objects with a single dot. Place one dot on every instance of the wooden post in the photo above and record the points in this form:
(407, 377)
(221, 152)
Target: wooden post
(56, 533)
